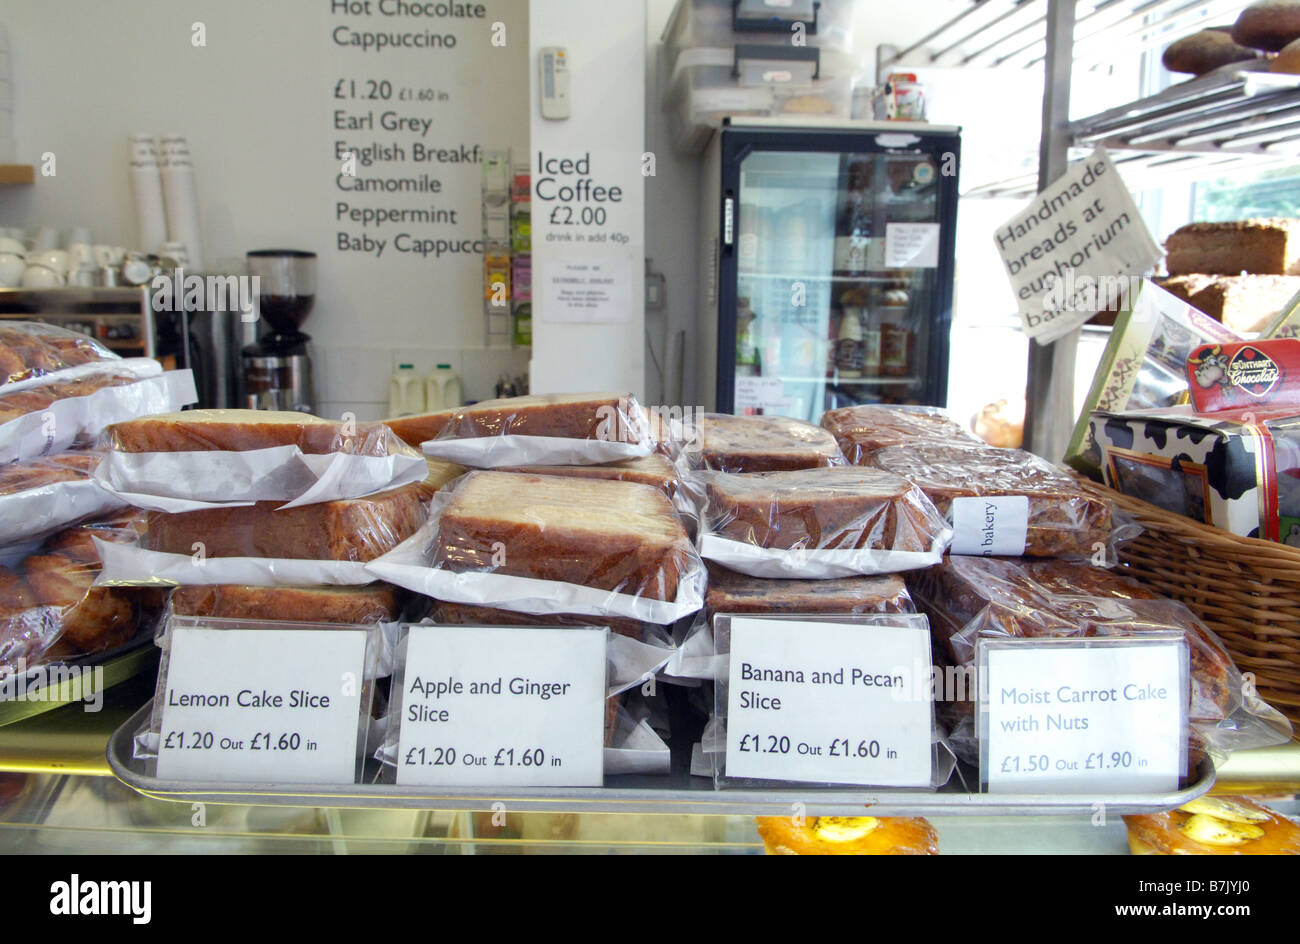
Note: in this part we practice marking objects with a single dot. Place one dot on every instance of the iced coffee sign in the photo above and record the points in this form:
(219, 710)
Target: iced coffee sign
(1076, 249)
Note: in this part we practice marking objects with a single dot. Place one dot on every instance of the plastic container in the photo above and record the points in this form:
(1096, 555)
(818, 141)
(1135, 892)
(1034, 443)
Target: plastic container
(827, 24)
(443, 389)
(405, 392)
(708, 85)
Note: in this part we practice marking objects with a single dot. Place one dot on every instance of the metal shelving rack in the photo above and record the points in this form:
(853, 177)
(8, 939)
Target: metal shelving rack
(1205, 127)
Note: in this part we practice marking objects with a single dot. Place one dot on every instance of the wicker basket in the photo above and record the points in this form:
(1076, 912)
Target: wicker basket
(1245, 589)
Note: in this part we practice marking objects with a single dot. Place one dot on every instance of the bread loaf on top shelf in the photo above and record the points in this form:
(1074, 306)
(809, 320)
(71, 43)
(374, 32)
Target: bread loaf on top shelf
(1266, 246)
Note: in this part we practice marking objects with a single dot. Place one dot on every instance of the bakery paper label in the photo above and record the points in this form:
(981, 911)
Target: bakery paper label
(262, 705)
(819, 702)
(1059, 716)
(508, 706)
(994, 526)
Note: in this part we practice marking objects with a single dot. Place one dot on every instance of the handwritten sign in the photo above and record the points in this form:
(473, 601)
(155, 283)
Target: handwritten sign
(1076, 249)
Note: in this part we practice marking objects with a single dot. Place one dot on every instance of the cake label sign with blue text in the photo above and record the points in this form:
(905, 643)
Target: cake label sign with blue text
(1083, 716)
(245, 705)
(507, 706)
(822, 702)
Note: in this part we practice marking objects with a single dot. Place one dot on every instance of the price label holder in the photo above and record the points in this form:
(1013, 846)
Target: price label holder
(826, 699)
(247, 701)
(501, 706)
(1083, 716)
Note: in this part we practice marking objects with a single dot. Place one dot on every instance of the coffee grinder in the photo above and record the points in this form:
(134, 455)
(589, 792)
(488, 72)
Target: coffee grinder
(277, 370)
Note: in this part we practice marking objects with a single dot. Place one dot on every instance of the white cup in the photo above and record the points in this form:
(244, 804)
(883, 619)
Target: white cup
(177, 251)
(39, 276)
(13, 246)
(85, 277)
(55, 259)
(46, 238)
(12, 266)
(80, 256)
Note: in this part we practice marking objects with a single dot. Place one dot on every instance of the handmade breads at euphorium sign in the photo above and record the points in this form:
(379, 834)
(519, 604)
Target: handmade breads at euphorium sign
(610, 535)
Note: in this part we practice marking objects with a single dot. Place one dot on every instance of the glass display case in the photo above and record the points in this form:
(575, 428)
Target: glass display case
(57, 796)
(834, 267)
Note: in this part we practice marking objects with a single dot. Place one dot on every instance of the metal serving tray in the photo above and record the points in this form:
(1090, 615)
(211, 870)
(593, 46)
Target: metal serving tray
(677, 793)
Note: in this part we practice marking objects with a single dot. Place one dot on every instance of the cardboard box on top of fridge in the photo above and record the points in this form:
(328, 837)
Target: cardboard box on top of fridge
(1144, 364)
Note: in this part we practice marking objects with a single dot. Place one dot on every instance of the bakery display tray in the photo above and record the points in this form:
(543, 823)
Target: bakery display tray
(678, 793)
(118, 664)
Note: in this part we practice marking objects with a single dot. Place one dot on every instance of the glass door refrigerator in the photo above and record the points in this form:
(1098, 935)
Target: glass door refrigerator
(828, 269)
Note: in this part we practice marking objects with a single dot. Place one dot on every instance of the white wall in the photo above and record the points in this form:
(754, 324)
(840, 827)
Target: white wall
(605, 44)
(257, 105)
(672, 227)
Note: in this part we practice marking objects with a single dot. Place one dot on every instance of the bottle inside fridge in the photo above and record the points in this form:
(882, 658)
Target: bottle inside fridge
(747, 359)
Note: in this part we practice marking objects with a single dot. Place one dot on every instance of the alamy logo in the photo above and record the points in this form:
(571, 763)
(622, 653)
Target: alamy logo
(177, 291)
(54, 683)
(75, 897)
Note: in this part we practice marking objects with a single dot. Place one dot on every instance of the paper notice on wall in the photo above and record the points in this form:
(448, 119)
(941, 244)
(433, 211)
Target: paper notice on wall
(760, 393)
(911, 245)
(586, 291)
(1077, 249)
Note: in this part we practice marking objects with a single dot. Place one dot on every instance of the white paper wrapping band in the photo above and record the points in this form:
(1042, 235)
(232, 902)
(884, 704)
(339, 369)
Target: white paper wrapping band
(191, 481)
(140, 367)
(39, 511)
(494, 452)
(407, 566)
(125, 564)
(638, 751)
(818, 564)
(696, 657)
(59, 425)
(629, 662)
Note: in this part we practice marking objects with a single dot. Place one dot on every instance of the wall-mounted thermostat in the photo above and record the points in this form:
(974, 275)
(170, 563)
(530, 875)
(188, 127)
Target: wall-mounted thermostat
(554, 66)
